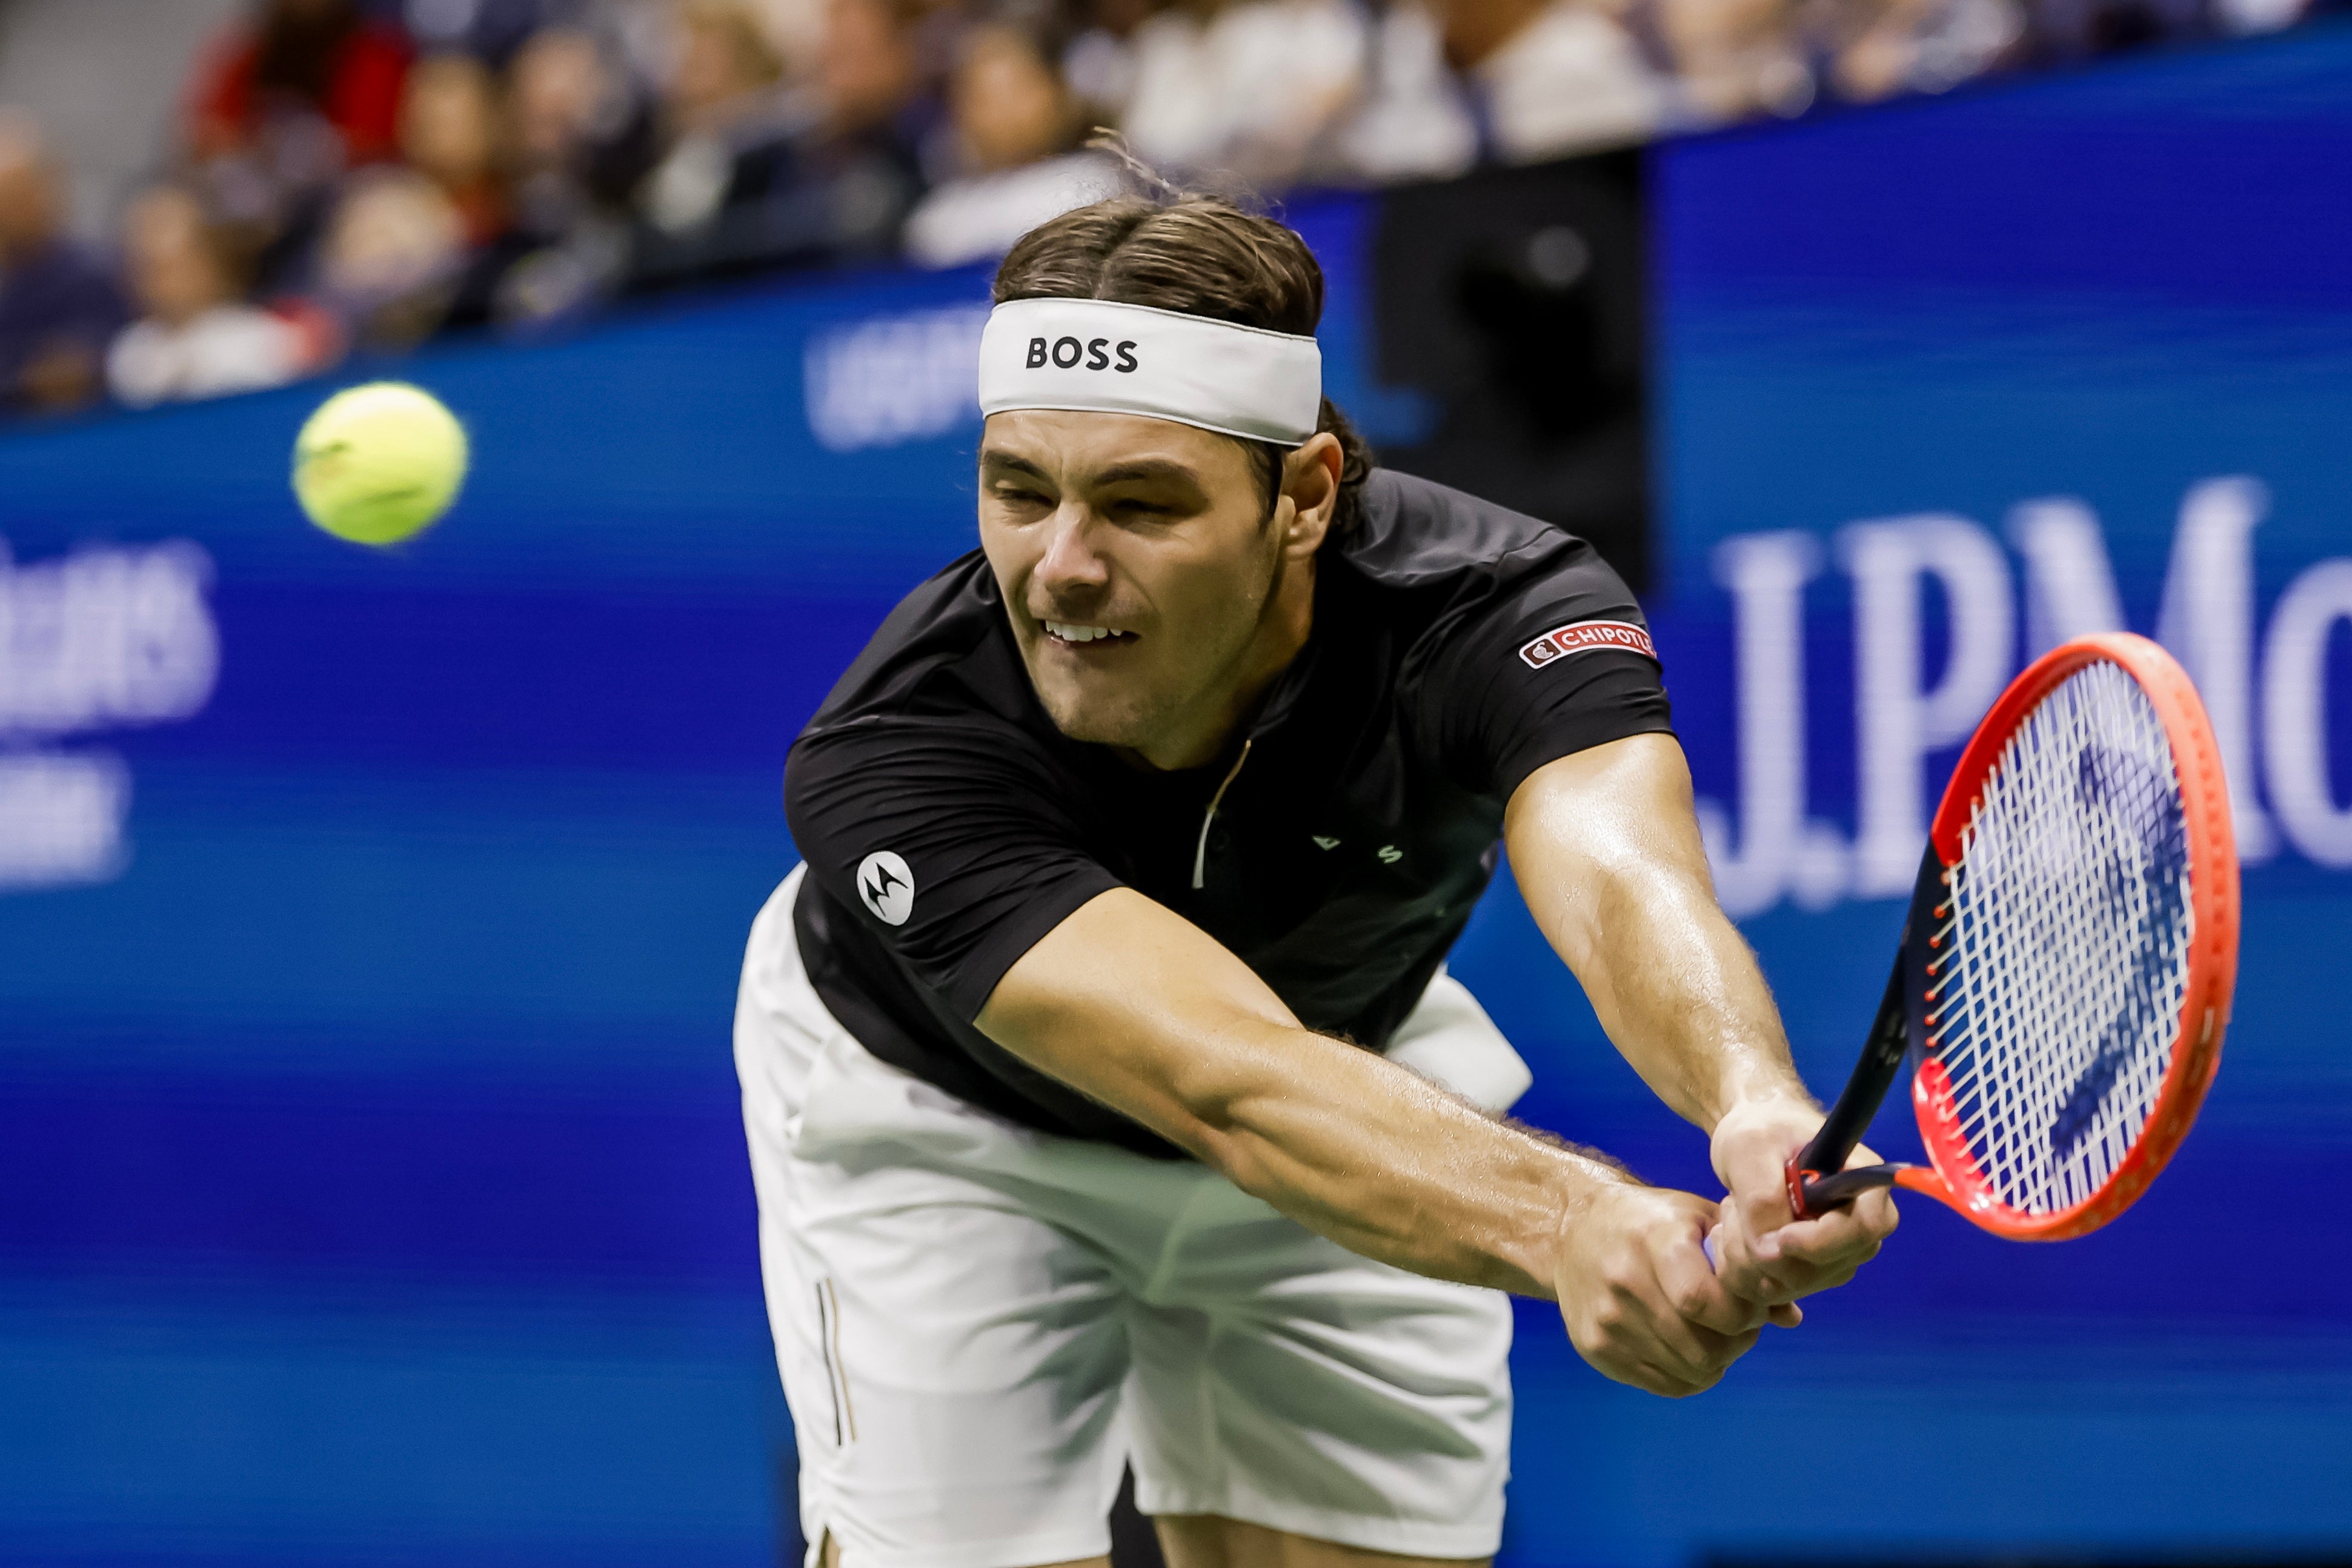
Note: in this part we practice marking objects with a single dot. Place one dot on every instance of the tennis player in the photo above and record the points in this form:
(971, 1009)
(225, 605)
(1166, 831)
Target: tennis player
(1107, 1097)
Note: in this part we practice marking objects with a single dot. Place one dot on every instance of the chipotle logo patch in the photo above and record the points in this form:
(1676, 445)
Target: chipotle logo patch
(1583, 636)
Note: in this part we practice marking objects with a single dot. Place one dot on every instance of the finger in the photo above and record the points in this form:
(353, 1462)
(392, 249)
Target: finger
(1831, 1242)
(1876, 1208)
(1676, 1385)
(1662, 1382)
(1694, 1350)
(1650, 1374)
(1697, 1295)
(1722, 1349)
(1742, 1273)
(1877, 1213)
(1787, 1315)
(1675, 1381)
(1760, 1190)
(1653, 1332)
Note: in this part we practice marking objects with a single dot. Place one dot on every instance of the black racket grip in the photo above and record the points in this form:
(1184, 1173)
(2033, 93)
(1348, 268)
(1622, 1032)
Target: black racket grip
(1816, 1177)
(1820, 1194)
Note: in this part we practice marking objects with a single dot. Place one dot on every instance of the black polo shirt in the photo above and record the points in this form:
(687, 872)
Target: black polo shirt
(949, 826)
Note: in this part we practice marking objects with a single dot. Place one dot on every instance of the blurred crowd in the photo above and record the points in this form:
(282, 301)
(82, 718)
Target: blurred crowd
(352, 176)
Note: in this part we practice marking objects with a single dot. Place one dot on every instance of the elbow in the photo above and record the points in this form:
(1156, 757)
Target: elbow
(1207, 1115)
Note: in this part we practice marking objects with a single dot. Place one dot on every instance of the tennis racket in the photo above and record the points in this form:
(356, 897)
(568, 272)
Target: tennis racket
(2064, 973)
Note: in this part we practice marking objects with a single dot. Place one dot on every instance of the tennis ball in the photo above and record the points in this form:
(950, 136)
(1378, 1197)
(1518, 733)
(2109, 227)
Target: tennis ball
(379, 463)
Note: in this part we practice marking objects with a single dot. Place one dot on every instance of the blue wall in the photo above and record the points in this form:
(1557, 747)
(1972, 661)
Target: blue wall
(370, 1185)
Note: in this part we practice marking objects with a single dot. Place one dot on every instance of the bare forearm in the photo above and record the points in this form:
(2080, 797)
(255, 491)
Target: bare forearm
(1608, 858)
(1391, 1166)
(1130, 1004)
(1678, 991)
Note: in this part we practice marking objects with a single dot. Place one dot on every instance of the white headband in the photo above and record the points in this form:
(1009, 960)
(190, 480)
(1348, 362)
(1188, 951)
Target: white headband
(1100, 356)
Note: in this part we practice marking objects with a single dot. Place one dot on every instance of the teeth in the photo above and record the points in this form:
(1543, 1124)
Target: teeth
(1062, 631)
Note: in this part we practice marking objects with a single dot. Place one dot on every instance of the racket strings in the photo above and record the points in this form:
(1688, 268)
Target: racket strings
(2055, 984)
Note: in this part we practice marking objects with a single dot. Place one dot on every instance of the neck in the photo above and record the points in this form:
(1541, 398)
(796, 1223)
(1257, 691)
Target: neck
(1209, 731)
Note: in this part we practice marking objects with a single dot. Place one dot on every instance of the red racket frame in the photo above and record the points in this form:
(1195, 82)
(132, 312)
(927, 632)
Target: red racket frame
(1954, 1176)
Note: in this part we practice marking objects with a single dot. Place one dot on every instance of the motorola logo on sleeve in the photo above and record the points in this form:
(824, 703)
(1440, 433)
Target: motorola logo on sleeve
(886, 887)
(1094, 353)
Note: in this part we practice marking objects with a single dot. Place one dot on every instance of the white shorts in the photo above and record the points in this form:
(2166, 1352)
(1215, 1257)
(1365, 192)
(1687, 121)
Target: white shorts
(979, 1324)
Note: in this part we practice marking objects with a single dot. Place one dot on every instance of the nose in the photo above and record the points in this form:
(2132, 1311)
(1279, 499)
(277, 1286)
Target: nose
(1072, 569)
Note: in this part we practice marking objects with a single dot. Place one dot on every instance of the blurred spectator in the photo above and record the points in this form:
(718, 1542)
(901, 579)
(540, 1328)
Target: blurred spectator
(1883, 48)
(578, 139)
(549, 154)
(761, 173)
(491, 29)
(877, 111)
(392, 258)
(300, 60)
(1243, 88)
(1016, 130)
(276, 111)
(449, 134)
(1736, 60)
(1555, 77)
(731, 127)
(193, 338)
(58, 307)
(578, 132)
(1099, 63)
(1414, 123)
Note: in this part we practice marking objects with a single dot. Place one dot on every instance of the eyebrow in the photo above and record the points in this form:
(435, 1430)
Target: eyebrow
(1148, 469)
(1141, 469)
(1006, 462)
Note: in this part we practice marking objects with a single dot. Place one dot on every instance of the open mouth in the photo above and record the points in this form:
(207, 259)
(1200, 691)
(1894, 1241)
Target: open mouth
(1071, 635)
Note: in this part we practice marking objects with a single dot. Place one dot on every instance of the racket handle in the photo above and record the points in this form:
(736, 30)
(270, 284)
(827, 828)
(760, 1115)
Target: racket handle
(1882, 1051)
(1812, 1194)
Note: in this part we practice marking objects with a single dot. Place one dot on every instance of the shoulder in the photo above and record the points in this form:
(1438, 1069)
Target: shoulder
(1477, 592)
(943, 655)
(1413, 533)
(933, 737)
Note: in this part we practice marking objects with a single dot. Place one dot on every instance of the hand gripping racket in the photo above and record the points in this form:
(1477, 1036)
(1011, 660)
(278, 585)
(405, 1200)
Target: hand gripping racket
(2064, 973)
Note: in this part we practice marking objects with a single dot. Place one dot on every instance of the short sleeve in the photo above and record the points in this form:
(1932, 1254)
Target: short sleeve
(950, 839)
(1547, 665)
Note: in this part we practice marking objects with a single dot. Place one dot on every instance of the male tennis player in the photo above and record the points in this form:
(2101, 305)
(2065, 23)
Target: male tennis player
(1107, 1097)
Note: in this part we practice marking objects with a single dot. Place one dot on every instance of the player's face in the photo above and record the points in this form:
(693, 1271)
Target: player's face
(1139, 565)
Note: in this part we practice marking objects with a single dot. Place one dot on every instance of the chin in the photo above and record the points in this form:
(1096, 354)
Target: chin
(1094, 720)
(1096, 727)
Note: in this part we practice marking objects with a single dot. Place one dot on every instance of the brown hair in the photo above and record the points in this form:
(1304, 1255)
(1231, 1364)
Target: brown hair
(1203, 255)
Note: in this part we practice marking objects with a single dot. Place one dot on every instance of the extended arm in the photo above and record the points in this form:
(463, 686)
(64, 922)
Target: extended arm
(1607, 854)
(1137, 1007)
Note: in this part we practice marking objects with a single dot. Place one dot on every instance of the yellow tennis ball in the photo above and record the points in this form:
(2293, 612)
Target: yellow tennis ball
(379, 463)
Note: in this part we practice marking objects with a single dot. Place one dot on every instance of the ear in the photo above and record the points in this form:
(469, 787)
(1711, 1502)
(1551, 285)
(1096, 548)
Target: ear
(1310, 482)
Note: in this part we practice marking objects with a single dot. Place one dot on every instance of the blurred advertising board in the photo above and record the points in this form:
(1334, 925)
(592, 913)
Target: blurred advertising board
(1933, 391)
